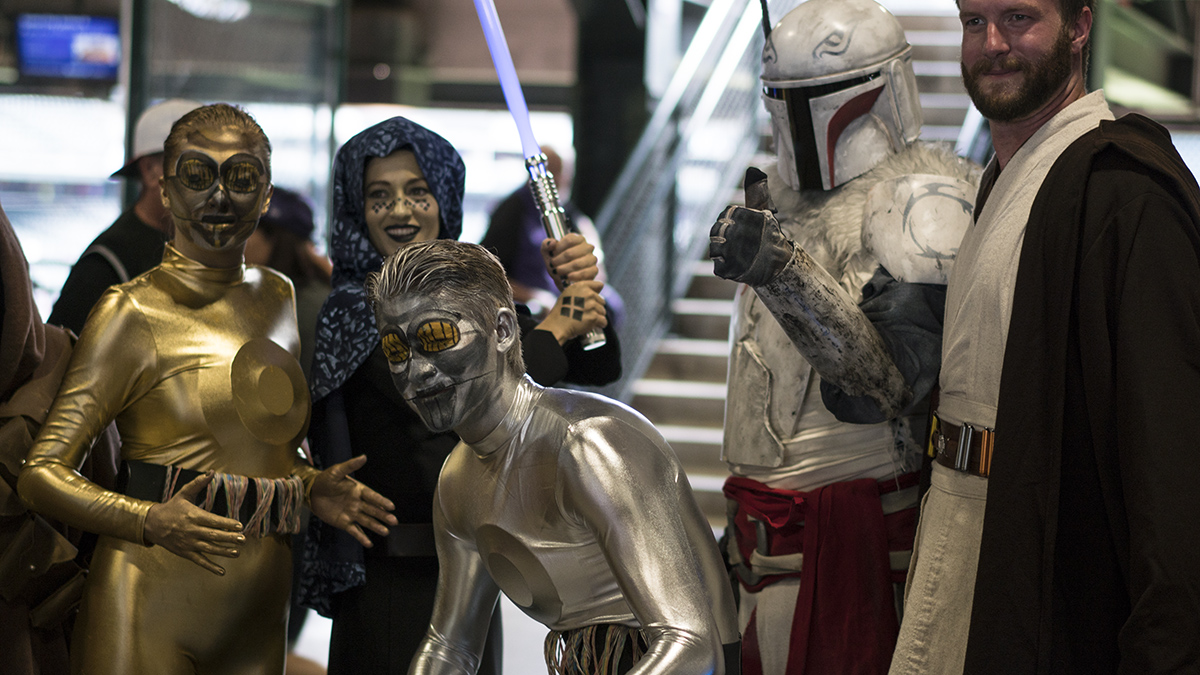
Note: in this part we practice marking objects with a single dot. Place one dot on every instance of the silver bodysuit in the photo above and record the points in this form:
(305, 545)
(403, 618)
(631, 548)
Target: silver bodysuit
(578, 510)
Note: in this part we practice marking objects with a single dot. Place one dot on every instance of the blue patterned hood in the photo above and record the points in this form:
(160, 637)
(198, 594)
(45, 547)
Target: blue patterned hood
(346, 332)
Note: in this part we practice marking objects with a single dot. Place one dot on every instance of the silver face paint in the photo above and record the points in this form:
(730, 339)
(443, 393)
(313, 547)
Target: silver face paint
(443, 364)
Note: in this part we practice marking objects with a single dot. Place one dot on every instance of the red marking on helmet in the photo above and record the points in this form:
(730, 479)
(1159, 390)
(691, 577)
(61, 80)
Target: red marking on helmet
(855, 108)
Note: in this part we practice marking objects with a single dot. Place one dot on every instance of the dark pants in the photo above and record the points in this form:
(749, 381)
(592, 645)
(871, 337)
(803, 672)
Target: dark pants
(378, 627)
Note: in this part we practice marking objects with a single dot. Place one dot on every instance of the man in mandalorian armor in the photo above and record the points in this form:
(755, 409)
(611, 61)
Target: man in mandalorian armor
(844, 250)
(570, 503)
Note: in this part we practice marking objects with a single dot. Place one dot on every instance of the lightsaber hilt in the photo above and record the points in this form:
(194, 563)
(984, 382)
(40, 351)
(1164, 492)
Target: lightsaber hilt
(554, 219)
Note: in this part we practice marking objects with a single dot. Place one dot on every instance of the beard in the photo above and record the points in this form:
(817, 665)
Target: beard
(1042, 79)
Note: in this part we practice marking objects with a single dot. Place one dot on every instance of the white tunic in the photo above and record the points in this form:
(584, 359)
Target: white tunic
(979, 297)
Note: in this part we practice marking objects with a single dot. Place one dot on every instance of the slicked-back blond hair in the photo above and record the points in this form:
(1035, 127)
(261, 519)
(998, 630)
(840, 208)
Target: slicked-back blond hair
(464, 275)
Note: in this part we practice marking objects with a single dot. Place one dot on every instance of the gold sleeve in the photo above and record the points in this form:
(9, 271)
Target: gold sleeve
(112, 364)
(307, 473)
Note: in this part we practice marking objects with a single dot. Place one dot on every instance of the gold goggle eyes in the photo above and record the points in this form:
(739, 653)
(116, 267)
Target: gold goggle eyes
(196, 174)
(437, 336)
(242, 177)
(394, 348)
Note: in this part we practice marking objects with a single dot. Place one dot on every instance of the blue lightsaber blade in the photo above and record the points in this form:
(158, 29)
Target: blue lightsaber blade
(541, 181)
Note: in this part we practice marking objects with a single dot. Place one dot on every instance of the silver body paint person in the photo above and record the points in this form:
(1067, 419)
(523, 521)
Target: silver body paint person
(571, 504)
(844, 250)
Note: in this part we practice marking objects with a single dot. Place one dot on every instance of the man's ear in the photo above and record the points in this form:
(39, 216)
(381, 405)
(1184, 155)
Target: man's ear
(1081, 30)
(508, 332)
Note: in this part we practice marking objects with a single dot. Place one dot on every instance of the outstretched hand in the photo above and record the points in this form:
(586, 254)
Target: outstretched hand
(189, 531)
(346, 503)
(746, 243)
(570, 259)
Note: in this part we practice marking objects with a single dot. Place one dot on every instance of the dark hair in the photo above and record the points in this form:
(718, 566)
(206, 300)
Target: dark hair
(468, 274)
(215, 115)
(1071, 9)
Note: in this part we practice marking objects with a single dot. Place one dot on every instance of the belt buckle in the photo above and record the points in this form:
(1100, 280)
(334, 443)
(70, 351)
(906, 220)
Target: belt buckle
(962, 458)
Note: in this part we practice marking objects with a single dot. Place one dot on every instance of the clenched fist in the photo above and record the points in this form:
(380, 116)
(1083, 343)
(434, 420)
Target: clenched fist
(746, 243)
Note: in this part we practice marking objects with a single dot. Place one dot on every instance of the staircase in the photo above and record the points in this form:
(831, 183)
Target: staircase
(683, 390)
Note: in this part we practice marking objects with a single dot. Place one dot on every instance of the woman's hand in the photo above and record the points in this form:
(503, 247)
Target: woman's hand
(570, 259)
(578, 310)
(346, 503)
(189, 531)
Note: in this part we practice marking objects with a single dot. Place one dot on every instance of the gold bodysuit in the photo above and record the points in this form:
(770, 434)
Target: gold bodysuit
(198, 367)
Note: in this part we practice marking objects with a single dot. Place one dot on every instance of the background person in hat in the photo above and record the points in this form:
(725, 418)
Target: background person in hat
(283, 242)
(134, 243)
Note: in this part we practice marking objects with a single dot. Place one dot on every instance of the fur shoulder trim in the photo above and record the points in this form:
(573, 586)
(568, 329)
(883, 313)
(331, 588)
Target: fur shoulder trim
(828, 225)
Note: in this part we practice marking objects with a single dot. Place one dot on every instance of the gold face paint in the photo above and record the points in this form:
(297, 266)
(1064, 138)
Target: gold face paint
(437, 336)
(239, 175)
(217, 188)
(395, 348)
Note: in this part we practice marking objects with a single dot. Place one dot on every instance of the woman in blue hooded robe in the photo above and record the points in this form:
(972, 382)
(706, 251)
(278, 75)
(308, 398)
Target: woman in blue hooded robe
(380, 598)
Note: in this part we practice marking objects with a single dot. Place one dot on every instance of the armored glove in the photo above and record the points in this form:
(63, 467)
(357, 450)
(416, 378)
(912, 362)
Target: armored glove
(746, 244)
(821, 319)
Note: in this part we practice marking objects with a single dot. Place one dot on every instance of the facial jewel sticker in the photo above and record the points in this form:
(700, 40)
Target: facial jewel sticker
(421, 204)
(394, 347)
(437, 336)
(383, 207)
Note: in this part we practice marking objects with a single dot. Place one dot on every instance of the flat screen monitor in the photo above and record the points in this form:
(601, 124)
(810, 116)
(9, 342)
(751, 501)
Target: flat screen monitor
(68, 46)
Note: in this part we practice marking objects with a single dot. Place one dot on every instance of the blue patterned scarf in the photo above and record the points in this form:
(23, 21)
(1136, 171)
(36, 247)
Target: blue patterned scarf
(346, 332)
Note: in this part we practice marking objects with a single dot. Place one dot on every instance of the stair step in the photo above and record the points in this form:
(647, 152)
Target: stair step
(703, 307)
(930, 36)
(679, 403)
(690, 347)
(917, 22)
(699, 451)
(687, 359)
(705, 284)
(709, 391)
(707, 482)
(705, 327)
(698, 448)
(674, 433)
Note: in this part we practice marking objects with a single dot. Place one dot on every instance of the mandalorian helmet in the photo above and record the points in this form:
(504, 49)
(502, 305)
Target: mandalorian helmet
(839, 85)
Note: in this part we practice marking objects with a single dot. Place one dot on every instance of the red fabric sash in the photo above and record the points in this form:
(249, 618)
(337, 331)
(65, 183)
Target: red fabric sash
(845, 619)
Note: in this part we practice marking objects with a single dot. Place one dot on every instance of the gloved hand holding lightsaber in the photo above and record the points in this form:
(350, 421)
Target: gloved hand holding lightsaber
(541, 181)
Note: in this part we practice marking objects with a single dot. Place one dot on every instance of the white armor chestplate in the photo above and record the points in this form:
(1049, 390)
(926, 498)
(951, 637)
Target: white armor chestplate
(777, 429)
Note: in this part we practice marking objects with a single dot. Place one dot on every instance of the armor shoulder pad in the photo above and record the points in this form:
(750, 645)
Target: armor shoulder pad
(913, 224)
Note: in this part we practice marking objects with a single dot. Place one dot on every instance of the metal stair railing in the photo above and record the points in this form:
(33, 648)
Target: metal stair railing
(685, 167)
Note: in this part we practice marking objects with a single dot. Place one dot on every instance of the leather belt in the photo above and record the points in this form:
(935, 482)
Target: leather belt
(278, 512)
(965, 448)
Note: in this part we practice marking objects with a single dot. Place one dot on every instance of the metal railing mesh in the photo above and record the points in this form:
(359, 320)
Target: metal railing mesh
(684, 169)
